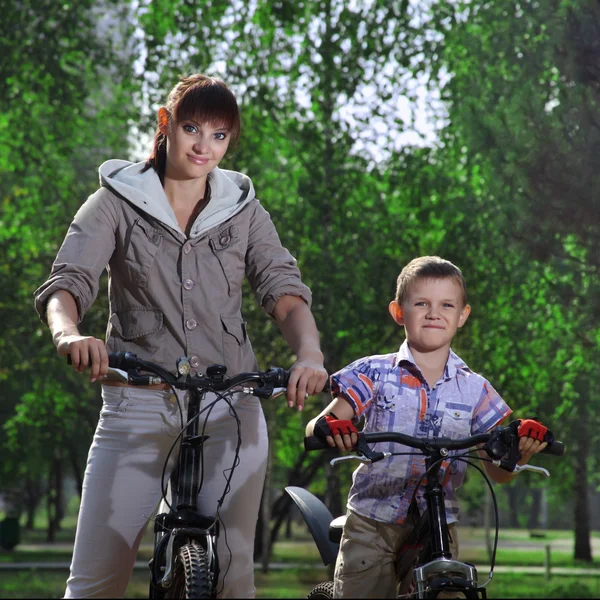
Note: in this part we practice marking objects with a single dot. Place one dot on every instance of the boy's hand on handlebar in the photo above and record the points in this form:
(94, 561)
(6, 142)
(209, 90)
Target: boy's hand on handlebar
(85, 352)
(529, 447)
(531, 434)
(306, 377)
(340, 433)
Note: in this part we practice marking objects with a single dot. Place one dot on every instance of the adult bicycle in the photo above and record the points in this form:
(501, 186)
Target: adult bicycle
(426, 552)
(184, 563)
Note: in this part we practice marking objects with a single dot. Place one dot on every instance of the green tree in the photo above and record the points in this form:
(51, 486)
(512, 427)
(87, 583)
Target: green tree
(66, 96)
(520, 88)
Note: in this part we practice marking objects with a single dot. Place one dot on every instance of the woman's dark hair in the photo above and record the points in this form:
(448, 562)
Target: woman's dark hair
(200, 98)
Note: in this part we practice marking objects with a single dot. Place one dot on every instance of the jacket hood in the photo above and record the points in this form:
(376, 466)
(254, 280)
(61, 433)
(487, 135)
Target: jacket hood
(230, 192)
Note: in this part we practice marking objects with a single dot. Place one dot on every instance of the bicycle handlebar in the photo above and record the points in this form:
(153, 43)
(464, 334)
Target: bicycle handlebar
(501, 444)
(214, 380)
(314, 443)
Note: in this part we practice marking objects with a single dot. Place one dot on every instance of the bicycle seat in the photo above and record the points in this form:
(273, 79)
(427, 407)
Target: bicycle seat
(335, 529)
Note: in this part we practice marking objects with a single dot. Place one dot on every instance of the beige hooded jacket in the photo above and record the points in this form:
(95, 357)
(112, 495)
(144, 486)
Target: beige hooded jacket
(170, 295)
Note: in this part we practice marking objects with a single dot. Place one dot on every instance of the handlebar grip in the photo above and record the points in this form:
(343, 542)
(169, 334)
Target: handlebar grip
(117, 360)
(555, 449)
(281, 377)
(122, 360)
(314, 443)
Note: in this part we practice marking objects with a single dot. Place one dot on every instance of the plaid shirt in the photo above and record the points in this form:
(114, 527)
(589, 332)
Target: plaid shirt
(392, 394)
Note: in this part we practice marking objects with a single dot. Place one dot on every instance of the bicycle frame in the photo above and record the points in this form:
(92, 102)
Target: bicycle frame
(183, 525)
(462, 575)
(183, 522)
(437, 572)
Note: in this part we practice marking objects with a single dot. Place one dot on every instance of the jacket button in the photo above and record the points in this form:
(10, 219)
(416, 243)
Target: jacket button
(195, 362)
(191, 324)
(187, 248)
(188, 284)
(224, 240)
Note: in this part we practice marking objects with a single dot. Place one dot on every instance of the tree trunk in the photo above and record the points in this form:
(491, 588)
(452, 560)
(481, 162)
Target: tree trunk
(533, 522)
(583, 548)
(33, 497)
(55, 497)
(300, 477)
(288, 526)
(513, 492)
(487, 522)
(77, 473)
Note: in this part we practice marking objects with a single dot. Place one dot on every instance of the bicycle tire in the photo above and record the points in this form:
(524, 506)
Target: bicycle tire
(322, 591)
(192, 577)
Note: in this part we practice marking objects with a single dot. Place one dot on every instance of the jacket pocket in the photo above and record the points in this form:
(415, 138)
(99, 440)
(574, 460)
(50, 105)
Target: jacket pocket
(226, 245)
(134, 323)
(237, 353)
(141, 247)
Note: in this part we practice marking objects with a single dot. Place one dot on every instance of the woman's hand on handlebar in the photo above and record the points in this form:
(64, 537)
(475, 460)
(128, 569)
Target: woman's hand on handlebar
(307, 376)
(85, 352)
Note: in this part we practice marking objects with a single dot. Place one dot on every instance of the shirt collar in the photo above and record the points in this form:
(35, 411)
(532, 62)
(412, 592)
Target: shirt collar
(405, 359)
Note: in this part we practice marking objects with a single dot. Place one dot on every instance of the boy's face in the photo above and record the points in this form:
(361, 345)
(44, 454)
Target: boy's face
(431, 313)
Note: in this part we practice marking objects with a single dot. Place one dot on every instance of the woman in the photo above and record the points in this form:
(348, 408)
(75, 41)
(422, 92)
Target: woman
(177, 235)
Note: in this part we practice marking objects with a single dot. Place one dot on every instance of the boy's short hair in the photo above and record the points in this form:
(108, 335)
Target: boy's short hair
(428, 267)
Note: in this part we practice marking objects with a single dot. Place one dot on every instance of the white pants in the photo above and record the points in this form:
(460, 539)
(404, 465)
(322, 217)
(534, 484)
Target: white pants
(122, 487)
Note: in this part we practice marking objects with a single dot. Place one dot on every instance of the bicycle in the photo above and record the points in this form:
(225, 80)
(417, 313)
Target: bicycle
(184, 563)
(427, 549)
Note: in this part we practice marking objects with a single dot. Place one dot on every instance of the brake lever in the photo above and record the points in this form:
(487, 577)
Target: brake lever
(365, 454)
(339, 459)
(116, 375)
(533, 468)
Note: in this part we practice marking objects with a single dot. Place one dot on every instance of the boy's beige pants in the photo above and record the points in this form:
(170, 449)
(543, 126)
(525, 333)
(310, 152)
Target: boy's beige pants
(122, 488)
(367, 562)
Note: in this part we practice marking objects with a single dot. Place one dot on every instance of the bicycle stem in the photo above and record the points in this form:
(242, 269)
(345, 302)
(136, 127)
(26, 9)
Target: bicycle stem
(434, 497)
(189, 466)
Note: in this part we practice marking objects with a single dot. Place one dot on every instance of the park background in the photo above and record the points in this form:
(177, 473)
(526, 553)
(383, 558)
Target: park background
(374, 131)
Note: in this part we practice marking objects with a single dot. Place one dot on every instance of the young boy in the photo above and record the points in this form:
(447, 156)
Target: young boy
(423, 390)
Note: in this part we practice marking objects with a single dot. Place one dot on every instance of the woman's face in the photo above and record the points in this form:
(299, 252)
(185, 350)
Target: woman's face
(193, 149)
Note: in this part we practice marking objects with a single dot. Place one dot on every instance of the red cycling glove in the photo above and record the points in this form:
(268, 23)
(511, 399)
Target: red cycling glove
(532, 428)
(331, 425)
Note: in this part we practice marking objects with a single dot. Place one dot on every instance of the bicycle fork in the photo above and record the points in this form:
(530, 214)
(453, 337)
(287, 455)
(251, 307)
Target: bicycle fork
(442, 572)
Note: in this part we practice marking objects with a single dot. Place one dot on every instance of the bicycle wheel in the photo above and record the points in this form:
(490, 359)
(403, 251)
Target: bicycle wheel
(322, 591)
(192, 577)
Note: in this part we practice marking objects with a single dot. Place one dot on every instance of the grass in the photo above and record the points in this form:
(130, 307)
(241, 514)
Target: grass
(296, 583)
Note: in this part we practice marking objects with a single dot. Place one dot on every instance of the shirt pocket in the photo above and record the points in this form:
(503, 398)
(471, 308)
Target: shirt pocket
(141, 247)
(226, 245)
(456, 421)
(398, 412)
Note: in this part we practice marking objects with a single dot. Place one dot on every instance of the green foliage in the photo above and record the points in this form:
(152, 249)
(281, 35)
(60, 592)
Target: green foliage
(509, 191)
(64, 88)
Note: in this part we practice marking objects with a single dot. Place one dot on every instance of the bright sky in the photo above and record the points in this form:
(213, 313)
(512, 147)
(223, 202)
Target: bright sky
(421, 114)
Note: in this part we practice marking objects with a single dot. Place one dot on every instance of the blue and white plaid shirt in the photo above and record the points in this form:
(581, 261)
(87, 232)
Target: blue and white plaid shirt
(391, 392)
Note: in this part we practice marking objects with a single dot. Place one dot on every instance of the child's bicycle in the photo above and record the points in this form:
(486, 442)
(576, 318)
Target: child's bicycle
(185, 562)
(427, 550)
